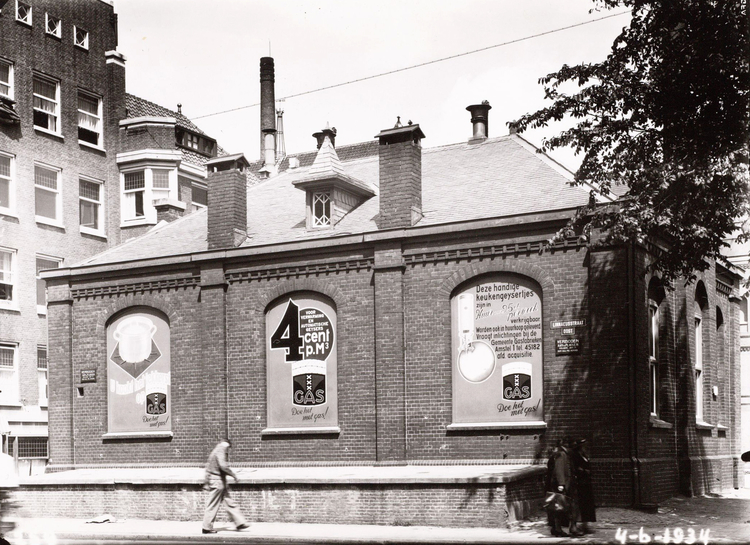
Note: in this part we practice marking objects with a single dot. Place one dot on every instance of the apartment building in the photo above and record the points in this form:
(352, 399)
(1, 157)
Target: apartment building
(75, 178)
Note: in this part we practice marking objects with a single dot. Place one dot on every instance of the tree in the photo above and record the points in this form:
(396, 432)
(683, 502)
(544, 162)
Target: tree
(663, 120)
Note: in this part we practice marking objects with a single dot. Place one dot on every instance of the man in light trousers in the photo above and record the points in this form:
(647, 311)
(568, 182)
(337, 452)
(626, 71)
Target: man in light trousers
(217, 470)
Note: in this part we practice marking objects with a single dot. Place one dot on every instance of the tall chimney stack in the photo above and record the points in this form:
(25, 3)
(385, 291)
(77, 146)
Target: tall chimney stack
(400, 156)
(480, 120)
(267, 112)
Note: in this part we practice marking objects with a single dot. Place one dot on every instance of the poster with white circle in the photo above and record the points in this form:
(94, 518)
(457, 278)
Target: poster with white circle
(497, 350)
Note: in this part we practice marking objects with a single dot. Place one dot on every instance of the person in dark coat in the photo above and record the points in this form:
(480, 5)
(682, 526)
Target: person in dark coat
(561, 480)
(582, 469)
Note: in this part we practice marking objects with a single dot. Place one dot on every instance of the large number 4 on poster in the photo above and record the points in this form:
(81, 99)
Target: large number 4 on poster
(287, 334)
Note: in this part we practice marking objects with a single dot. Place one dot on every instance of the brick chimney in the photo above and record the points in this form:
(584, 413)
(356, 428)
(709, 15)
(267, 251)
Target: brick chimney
(400, 191)
(169, 210)
(480, 120)
(115, 100)
(227, 201)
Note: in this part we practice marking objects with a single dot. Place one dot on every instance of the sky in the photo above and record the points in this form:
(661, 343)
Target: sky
(206, 56)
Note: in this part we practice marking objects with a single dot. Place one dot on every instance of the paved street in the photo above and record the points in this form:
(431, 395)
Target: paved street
(724, 519)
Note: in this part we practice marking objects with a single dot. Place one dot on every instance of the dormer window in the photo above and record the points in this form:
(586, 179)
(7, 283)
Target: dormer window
(321, 209)
(331, 192)
(196, 142)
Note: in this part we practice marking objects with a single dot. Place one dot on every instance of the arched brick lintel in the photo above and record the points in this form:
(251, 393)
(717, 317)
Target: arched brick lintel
(476, 269)
(128, 301)
(302, 284)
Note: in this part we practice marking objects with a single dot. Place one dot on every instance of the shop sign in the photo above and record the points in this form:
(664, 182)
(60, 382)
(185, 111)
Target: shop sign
(301, 354)
(497, 351)
(138, 373)
(567, 346)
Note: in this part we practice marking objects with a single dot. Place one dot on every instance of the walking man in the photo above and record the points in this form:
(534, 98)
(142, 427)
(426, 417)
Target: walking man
(217, 470)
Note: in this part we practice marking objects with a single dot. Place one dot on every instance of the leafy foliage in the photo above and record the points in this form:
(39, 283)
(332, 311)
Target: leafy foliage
(663, 121)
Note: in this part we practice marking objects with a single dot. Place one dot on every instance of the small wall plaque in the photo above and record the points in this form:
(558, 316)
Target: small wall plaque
(567, 346)
(88, 375)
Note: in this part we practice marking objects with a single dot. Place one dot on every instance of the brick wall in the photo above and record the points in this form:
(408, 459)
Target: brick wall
(394, 362)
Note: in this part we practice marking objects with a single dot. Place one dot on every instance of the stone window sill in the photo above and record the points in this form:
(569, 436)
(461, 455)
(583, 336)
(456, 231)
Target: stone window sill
(464, 426)
(301, 431)
(656, 422)
(700, 425)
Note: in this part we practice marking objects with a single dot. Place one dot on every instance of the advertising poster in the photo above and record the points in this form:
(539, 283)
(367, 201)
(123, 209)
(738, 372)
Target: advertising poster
(497, 351)
(301, 363)
(138, 373)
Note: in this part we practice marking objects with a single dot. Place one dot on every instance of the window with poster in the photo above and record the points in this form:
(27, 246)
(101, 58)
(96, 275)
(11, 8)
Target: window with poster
(497, 353)
(139, 402)
(301, 365)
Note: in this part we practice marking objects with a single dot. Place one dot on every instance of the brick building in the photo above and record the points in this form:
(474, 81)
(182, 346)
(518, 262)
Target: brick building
(376, 306)
(76, 177)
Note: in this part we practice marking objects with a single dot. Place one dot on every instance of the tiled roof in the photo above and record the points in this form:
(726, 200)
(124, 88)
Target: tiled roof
(460, 182)
(140, 107)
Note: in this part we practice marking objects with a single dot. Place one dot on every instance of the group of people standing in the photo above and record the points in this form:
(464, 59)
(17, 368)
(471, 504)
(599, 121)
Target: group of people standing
(570, 497)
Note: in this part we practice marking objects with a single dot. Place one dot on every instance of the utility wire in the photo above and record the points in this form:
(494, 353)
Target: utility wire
(421, 64)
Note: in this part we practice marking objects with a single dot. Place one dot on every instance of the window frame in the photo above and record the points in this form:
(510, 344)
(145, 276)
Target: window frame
(127, 216)
(28, 20)
(99, 117)
(13, 302)
(10, 83)
(12, 398)
(321, 222)
(654, 324)
(43, 376)
(57, 221)
(10, 210)
(47, 18)
(85, 43)
(58, 125)
(42, 309)
(698, 367)
(100, 231)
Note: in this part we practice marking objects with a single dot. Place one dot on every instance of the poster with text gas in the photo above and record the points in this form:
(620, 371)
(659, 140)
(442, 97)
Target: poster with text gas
(301, 363)
(138, 373)
(497, 351)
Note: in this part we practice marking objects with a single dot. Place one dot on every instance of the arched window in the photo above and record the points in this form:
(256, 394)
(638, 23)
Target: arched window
(699, 307)
(497, 351)
(656, 296)
(301, 364)
(139, 398)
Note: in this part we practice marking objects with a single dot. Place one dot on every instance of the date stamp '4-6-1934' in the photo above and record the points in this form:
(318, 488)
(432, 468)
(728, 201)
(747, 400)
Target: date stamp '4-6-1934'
(670, 535)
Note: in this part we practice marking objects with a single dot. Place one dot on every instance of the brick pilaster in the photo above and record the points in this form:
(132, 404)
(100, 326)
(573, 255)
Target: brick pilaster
(213, 357)
(389, 354)
(60, 368)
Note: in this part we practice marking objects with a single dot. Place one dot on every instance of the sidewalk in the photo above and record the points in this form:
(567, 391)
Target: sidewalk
(726, 518)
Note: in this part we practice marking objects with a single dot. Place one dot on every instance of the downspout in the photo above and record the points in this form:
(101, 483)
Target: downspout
(632, 362)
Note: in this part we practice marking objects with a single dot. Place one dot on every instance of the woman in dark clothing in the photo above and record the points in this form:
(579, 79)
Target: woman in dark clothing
(582, 469)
